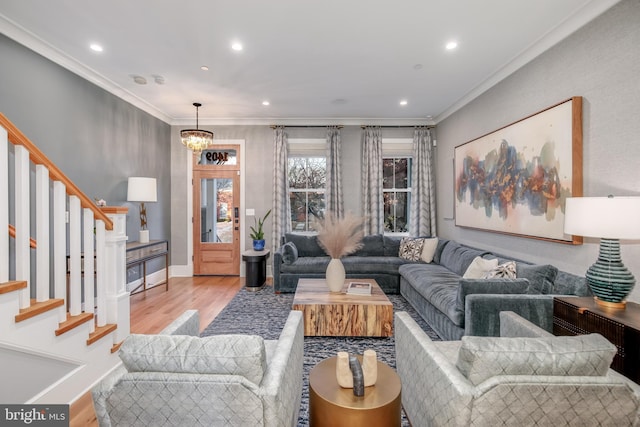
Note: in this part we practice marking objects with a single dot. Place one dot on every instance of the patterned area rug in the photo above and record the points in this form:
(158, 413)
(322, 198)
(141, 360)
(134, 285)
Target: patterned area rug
(264, 313)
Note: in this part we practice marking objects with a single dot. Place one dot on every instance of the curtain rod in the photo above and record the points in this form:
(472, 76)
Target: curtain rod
(398, 126)
(309, 126)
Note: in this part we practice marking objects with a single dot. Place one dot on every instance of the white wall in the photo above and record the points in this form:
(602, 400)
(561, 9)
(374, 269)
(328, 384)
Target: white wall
(601, 63)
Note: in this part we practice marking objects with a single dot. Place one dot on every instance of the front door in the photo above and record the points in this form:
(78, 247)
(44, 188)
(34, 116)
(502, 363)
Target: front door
(216, 214)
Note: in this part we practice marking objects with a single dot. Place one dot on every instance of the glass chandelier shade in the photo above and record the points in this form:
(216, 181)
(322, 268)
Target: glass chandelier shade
(196, 139)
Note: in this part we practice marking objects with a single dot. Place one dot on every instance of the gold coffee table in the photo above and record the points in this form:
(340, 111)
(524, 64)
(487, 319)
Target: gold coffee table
(334, 406)
(341, 315)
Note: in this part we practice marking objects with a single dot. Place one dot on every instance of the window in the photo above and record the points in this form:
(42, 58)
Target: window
(307, 183)
(396, 189)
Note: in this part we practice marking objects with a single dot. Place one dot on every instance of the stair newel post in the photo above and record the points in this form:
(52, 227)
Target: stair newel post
(75, 254)
(22, 223)
(60, 244)
(101, 274)
(89, 250)
(118, 304)
(42, 234)
(4, 203)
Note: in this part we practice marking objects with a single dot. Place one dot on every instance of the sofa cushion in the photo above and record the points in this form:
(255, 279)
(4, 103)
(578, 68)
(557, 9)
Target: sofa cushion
(220, 354)
(372, 265)
(541, 277)
(289, 253)
(391, 245)
(371, 246)
(506, 270)
(498, 286)
(429, 249)
(306, 245)
(441, 245)
(411, 248)
(457, 258)
(481, 358)
(307, 265)
(479, 267)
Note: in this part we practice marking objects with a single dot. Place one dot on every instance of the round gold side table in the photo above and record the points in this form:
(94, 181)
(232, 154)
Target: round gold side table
(334, 406)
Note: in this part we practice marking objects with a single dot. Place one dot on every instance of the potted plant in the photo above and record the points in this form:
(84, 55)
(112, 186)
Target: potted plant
(257, 233)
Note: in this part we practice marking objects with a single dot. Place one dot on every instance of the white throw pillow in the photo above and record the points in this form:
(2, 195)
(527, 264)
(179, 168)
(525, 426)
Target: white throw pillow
(479, 267)
(429, 249)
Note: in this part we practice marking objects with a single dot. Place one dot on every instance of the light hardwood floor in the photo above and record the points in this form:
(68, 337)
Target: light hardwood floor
(151, 311)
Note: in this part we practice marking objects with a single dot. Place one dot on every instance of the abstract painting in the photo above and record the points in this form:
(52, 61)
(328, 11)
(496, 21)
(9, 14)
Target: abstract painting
(515, 180)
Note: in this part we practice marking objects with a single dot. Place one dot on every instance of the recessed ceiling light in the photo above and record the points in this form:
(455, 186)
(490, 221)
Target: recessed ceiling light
(139, 80)
(96, 47)
(451, 45)
(417, 67)
(265, 103)
(403, 102)
(204, 68)
(236, 46)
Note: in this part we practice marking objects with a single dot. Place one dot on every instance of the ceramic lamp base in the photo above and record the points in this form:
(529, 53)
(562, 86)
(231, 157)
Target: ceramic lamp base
(144, 236)
(609, 280)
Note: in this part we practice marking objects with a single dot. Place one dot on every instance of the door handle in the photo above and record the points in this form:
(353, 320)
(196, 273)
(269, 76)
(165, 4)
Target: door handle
(236, 212)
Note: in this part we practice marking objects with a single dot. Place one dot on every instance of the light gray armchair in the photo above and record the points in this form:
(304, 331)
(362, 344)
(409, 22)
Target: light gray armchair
(525, 377)
(176, 378)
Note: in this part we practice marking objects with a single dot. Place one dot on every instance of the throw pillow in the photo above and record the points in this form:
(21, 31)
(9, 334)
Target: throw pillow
(243, 355)
(289, 253)
(479, 266)
(505, 271)
(481, 358)
(541, 277)
(411, 248)
(429, 249)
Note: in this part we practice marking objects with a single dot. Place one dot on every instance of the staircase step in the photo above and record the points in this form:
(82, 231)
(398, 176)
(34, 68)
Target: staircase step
(38, 308)
(101, 332)
(116, 347)
(11, 286)
(72, 322)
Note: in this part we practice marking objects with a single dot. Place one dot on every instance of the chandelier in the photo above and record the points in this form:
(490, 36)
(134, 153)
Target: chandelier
(196, 139)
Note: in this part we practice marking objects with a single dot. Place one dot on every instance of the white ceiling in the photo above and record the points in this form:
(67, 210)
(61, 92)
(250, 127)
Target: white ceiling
(317, 62)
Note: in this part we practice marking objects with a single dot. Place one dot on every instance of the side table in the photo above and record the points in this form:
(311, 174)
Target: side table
(256, 268)
(334, 406)
(581, 315)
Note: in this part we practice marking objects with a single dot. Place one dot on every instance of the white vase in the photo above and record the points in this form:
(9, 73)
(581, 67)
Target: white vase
(335, 275)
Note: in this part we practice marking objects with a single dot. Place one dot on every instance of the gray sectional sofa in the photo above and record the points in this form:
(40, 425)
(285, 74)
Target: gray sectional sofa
(452, 305)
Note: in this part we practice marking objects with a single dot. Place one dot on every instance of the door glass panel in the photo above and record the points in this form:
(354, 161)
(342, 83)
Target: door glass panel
(226, 156)
(216, 210)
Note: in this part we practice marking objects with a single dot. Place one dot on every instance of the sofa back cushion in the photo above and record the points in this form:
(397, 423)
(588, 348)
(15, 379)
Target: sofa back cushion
(481, 358)
(391, 245)
(220, 354)
(541, 277)
(371, 246)
(457, 257)
(306, 245)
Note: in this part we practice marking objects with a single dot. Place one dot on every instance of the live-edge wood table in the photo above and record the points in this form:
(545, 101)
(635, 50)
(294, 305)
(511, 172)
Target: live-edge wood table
(139, 253)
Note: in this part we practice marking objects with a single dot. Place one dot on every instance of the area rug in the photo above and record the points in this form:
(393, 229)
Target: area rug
(264, 313)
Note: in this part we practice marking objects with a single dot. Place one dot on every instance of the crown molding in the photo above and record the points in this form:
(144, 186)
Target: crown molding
(570, 25)
(302, 121)
(26, 38)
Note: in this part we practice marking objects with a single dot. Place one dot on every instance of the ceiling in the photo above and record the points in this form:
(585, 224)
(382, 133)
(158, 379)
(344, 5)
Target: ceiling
(316, 62)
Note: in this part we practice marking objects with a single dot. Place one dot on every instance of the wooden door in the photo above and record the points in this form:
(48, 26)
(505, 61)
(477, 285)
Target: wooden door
(216, 220)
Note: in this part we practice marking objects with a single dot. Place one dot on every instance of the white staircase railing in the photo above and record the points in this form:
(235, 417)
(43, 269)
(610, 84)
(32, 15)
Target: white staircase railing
(81, 263)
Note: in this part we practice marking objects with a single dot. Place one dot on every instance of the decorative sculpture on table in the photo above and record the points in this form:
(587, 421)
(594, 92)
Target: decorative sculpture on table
(350, 374)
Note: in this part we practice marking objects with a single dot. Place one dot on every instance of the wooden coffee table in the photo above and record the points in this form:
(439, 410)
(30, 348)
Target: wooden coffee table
(340, 315)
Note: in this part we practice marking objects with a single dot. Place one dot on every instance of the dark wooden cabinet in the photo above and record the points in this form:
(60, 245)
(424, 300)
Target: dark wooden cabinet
(581, 315)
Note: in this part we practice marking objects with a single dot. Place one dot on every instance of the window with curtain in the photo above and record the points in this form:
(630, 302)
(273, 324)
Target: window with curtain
(396, 184)
(307, 172)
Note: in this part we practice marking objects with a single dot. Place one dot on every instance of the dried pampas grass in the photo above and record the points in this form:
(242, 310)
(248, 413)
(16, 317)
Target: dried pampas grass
(339, 236)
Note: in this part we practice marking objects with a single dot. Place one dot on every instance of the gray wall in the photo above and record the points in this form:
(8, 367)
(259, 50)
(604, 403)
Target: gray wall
(601, 63)
(95, 138)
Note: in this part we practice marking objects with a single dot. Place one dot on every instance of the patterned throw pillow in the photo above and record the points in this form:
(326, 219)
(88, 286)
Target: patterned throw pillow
(505, 271)
(411, 248)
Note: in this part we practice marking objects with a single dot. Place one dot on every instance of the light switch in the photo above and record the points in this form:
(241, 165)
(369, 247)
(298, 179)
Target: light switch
(250, 212)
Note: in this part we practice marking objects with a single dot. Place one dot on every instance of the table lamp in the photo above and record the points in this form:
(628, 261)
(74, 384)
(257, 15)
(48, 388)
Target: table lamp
(609, 219)
(142, 190)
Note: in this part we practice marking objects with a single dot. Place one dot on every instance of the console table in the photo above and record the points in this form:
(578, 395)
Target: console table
(581, 315)
(139, 253)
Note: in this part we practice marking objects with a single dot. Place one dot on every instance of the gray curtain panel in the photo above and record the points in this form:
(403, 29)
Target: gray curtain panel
(423, 199)
(333, 194)
(281, 210)
(372, 198)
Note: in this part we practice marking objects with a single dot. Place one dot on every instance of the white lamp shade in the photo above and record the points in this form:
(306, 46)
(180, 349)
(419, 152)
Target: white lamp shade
(603, 217)
(142, 189)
